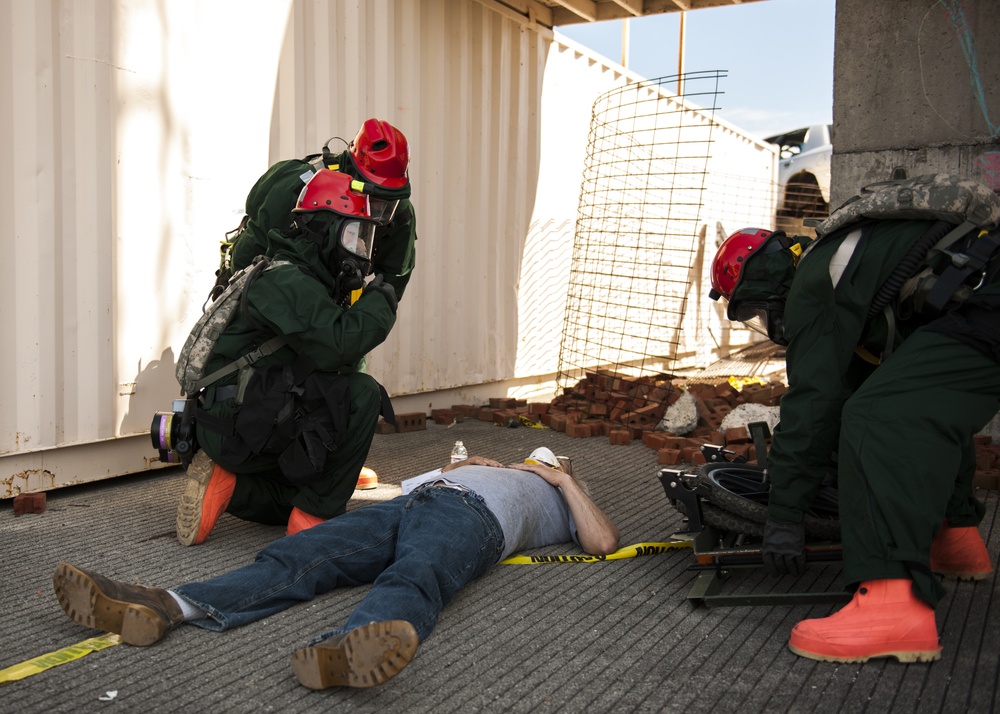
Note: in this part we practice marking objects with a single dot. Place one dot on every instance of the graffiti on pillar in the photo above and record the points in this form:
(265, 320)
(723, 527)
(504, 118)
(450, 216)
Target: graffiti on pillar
(989, 164)
(955, 13)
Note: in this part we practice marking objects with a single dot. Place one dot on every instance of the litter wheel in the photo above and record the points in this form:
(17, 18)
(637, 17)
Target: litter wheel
(739, 489)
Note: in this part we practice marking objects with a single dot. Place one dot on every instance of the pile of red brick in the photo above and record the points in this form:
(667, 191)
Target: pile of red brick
(625, 410)
(621, 409)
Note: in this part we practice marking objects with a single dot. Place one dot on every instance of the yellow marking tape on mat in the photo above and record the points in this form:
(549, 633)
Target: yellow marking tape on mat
(628, 551)
(54, 659)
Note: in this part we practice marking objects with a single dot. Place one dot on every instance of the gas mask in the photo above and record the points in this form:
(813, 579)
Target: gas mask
(350, 261)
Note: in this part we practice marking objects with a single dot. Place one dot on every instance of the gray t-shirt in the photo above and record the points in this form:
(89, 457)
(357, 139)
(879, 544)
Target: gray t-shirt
(531, 512)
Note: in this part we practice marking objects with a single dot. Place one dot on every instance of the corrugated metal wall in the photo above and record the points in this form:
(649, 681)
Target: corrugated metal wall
(462, 81)
(130, 133)
(133, 132)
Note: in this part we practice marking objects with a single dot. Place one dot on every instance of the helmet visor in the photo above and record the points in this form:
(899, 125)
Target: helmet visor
(767, 318)
(753, 315)
(358, 238)
(383, 209)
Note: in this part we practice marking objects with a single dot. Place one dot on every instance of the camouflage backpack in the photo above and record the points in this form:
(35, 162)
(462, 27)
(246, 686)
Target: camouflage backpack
(943, 197)
(966, 215)
(218, 314)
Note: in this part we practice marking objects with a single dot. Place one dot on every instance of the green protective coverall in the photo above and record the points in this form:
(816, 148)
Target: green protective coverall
(271, 200)
(901, 433)
(296, 301)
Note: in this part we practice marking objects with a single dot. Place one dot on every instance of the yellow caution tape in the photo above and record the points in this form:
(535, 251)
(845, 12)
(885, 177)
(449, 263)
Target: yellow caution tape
(54, 659)
(628, 551)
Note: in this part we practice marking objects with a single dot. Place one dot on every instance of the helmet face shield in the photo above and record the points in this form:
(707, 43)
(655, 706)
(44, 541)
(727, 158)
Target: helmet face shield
(383, 209)
(358, 238)
(767, 318)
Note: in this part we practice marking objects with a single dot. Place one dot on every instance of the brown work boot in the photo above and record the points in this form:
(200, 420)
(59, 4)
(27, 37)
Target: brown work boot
(364, 657)
(139, 614)
(207, 492)
(960, 554)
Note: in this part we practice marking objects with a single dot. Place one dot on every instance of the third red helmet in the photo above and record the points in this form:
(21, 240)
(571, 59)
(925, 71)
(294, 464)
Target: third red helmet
(731, 258)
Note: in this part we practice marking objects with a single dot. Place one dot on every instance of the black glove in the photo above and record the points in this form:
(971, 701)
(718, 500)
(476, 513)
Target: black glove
(385, 288)
(784, 549)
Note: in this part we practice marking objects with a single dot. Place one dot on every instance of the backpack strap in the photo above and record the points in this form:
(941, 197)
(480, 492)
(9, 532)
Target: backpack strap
(962, 266)
(270, 347)
(274, 344)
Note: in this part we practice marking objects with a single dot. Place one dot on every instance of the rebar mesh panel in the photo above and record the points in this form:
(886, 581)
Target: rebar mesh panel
(636, 232)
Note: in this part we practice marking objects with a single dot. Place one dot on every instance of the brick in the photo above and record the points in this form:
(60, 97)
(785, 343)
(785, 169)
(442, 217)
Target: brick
(29, 503)
(503, 403)
(446, 416)
(467, 410)
(655, 439)
(558, 422)
(668, 457)
(579, 430)
(987, 479)
(716, 438)
(598, 410)
(384, 427)
(688, 452)
(538, 408)
(619, 437)
(414, 421)
(727, 391)
(698, 459)
(739, 449)
(485, 414)
(985, 460)
(737, 435)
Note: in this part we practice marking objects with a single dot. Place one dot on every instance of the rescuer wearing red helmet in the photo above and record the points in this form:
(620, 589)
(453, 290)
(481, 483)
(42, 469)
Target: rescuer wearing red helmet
(284, 438)
(898, 431)
(378, 158)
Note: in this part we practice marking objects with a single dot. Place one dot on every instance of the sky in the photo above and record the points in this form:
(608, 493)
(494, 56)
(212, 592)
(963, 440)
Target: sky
(778, 55)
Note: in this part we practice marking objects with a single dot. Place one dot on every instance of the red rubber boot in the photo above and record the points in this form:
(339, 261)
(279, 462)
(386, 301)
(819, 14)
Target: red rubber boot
(959, 553)
(884, 619)
(300, 521)
(207, 492)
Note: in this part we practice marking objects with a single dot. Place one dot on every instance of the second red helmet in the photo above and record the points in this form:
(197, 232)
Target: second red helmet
(381, 154)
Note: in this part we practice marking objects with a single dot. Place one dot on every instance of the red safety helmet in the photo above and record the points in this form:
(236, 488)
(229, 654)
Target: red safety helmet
(727, 267)
(330, 190)
(381, 154)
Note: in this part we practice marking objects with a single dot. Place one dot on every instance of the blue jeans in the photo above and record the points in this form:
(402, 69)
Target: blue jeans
(417, 550)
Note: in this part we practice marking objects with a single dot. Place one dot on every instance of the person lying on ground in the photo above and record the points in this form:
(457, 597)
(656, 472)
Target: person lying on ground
(417, 550)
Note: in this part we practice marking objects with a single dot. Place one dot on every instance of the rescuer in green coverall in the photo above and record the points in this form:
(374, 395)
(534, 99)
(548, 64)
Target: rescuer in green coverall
(897, 416)
(304, 470)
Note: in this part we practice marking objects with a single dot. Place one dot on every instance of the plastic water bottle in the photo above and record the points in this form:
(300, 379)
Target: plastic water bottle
(459, 453)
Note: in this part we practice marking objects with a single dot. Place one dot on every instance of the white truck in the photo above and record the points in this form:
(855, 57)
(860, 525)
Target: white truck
(803, 176)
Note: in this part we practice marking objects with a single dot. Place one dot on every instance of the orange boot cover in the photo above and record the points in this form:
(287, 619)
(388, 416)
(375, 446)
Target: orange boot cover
(207, 492)
(884, 619)
(300, 521)
(960, 553)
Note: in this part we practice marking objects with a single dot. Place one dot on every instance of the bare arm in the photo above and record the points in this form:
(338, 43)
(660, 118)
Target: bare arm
(598, 534)
(472, 461)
